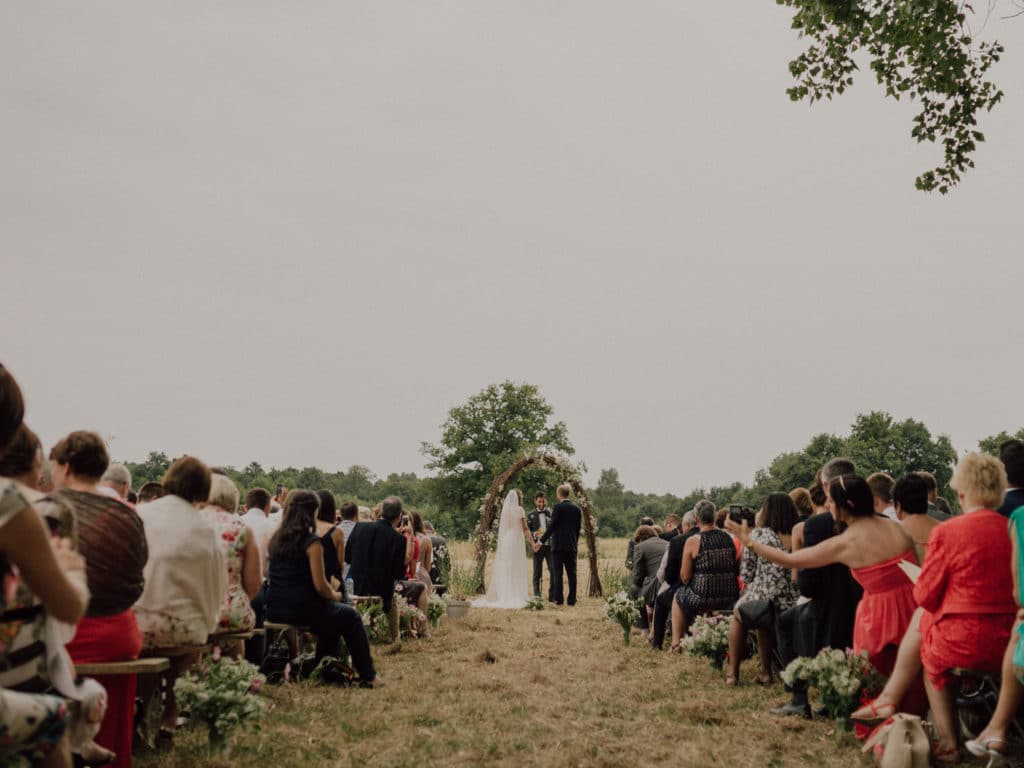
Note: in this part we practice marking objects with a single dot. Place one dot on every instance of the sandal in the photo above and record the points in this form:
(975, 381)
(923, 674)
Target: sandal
(949, 756)
(983, 748)
(872, 714)
(731, 681)
(763, 679)
(676, 648)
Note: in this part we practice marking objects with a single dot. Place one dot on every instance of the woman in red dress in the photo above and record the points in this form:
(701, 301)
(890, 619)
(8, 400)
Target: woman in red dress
(966, 591)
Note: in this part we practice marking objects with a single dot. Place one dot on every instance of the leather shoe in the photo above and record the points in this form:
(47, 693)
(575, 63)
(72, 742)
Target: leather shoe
(792, 710)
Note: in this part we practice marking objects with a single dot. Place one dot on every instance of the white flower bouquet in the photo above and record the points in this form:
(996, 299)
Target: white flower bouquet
(623, 610)
(223, 692)
(844, 679)
(709, 637)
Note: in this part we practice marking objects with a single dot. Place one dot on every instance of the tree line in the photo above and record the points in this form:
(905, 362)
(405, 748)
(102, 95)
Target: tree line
(484, 436)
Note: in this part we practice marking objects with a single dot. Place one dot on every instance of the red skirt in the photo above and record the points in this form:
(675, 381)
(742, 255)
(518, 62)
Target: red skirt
(970, 641)
(112, 638)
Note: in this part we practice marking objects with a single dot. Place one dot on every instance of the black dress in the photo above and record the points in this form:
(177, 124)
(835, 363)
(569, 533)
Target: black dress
(331, 565)
(714, 585)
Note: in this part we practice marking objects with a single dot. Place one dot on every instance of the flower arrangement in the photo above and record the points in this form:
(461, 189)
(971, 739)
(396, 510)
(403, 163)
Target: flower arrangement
(460, 582)
(535, 604)
(623, 610)
(375, 622)
(224, 693)
(841, 677)
(436, 607)
(409, 616)
(709, 637)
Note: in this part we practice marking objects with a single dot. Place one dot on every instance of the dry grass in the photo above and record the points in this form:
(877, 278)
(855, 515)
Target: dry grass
(554, 687)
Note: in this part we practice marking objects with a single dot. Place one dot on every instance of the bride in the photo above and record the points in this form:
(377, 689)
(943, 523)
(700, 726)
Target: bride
(509, 584)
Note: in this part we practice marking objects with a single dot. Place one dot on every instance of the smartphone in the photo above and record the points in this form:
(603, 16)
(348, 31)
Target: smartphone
(736, 513)
(405, 520)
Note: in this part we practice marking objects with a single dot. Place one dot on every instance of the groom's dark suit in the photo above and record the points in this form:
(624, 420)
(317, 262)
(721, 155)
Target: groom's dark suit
(564, 533)
(537, 521)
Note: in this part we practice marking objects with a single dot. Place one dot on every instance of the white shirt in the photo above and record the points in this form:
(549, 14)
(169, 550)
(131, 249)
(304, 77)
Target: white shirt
(890, 512)
(186, 574)
(262, 528)
(106, 490)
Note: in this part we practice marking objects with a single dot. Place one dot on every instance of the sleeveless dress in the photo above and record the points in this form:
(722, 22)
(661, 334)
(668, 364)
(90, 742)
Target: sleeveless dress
(236, 614)
(1017, 518)
(884, 611)
(714, 585)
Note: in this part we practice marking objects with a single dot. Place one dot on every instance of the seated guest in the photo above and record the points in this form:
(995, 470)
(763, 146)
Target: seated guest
(991, 742)
(670, 528)
(872, 547)
(22, 462)
(933, 495)
(298, 592)
(377, 554)
(332, 539)
(186, 577)
(425, 561)
(966, 591)
(1011, 453)
(112, 541)
(349, 517)
(241, 557)
(881, 486)
(116, 482)
(257, 518)
(645, 520)
(910, 500)
(709, 574)
(802, 500)
(647, 556)
(769, 589)
(150, 492)
(42, 577)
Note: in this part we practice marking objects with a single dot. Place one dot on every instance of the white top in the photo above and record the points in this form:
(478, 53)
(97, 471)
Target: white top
(890, 512)
(186, 575)
(262, 529)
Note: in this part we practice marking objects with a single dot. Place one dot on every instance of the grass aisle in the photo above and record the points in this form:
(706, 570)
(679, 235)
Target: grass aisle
(554, 687)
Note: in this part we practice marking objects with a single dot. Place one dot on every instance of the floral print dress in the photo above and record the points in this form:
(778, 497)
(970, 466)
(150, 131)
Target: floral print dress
(236, 614)
(30, 724)
(764, 580)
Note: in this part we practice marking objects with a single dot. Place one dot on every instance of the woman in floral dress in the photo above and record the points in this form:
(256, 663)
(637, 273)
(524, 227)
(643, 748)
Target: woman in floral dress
(769, 588)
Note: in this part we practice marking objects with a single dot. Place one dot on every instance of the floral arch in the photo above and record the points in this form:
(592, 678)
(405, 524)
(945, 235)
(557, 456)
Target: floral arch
(569, 473)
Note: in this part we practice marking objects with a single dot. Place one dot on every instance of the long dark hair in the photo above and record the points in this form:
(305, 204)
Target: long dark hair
(852, 494)
(328, 507)
(779, 513)
(296, 524)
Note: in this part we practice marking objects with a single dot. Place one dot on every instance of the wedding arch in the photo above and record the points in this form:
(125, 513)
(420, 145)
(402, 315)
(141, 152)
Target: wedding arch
(569, 473)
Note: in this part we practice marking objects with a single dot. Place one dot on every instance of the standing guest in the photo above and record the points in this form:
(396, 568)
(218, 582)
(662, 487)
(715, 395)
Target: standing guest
(881, 486)
(564, 532)
(802, 500)
(1011, 453)
(298, 592)
(537, 521)
(708, 574)
(331, 539)
(647, 556)
(186, 577)
(112, 541)
(910, 500)
(116, 482)
(150, 492)
(241, 557)
(769, 588)
(22, 462)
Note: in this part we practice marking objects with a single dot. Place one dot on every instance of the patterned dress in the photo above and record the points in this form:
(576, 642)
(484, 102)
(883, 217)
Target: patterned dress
(30, 723)
(236, 614)
(713, 586)
(764, 580)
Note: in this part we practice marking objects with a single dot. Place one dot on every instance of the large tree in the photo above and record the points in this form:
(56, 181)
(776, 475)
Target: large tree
(483, 437)
(923, 50)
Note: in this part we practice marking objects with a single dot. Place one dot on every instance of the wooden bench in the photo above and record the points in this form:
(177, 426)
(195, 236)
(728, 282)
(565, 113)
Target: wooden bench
(151, 665)
(176, 651)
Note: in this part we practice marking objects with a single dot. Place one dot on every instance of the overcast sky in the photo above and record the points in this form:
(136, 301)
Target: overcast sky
(299, 233)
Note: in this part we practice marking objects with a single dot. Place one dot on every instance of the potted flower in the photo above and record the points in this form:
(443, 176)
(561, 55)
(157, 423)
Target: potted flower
(842, 678)
(623, 610)
(436, 608)
(460, 582)
(223, 692)
(709, 637)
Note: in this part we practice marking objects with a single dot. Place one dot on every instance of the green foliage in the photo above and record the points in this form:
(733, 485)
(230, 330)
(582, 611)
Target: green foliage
(919, 49)
(991, 444)
(482, 438)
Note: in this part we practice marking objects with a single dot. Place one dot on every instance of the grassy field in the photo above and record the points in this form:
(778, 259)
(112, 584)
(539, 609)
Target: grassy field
(555, 687)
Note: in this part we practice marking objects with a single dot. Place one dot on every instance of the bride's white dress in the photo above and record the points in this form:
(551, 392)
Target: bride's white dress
(509, 587)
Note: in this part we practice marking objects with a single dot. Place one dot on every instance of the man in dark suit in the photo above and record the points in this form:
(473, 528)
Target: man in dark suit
(377, 553)
(1011, 453)
(537, 521)
(564, 532)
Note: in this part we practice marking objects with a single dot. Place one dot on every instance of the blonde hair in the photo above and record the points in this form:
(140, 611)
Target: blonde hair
(981, 478)
(223, 493)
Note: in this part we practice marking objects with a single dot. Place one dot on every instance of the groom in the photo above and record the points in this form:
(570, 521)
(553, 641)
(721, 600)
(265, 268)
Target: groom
(564, 532)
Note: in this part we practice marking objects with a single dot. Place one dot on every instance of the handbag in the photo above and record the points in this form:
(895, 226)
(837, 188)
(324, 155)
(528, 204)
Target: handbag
(900, 742)
(757, 614)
